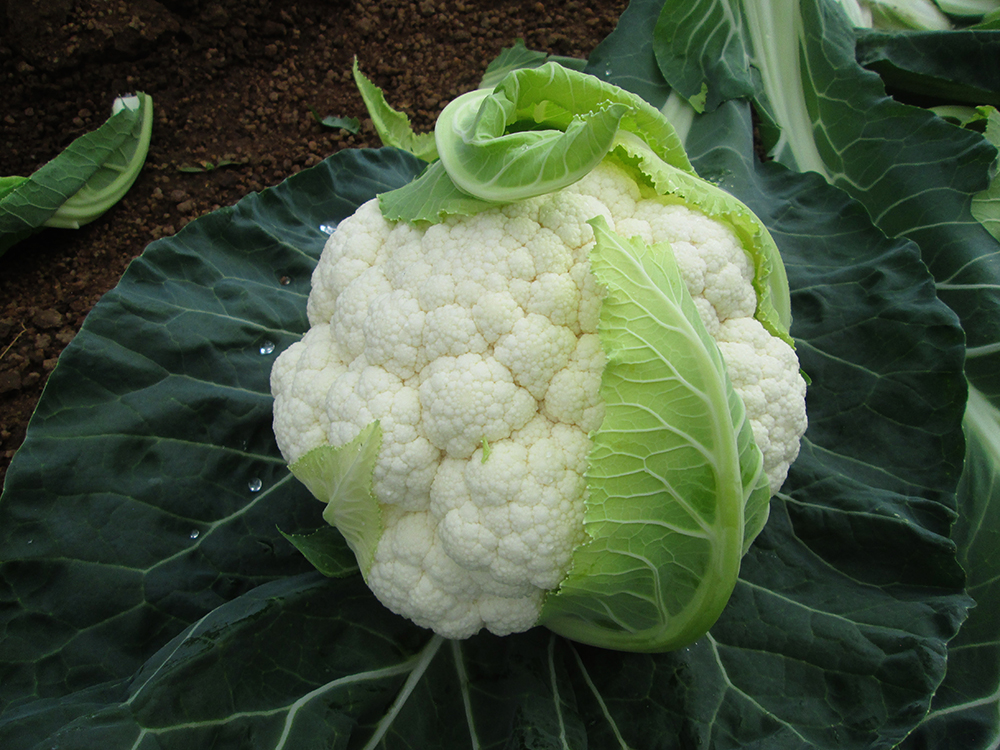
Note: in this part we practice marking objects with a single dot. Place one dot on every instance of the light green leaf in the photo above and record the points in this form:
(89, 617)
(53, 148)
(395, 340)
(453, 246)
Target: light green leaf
(986, 205)
(486, 156)
(672, 468)
(350, 124)
(392, 126)
(430, 198)
(341, 477)
(770, 280)
(906, 15)
(968, 8)
(9, 183)
(536, 132)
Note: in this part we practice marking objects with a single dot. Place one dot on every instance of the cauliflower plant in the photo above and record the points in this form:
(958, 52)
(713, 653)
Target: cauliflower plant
(480, 346)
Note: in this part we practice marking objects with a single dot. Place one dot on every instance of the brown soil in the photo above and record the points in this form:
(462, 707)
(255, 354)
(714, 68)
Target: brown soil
(232, 81)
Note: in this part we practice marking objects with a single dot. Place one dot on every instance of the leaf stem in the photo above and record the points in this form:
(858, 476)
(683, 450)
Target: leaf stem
(556, 698)
(425, 658)
(598, 697)
(463, 681)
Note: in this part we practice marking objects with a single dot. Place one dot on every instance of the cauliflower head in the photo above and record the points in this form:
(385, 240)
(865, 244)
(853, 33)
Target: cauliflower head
(475, 344)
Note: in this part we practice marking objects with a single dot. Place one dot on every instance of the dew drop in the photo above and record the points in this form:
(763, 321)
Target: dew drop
(607, 72)
(284, 281)
(194, 534)
(327, 228)
(267, 347)
(255, 484)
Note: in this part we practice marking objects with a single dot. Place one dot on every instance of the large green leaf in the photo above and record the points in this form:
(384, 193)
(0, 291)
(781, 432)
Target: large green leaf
(831, 251)
(146, 492)
(965, 713)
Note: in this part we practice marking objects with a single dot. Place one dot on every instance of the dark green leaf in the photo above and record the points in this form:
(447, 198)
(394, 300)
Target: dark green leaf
(930, 68)
(915, 173)
(626, 57)
(326, 550)
(149, 472)
(965, 713)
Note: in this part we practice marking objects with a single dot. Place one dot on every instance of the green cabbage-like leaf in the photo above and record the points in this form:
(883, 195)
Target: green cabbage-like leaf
(672, 469)
(539, 130)
(518, 56)
(770, 281)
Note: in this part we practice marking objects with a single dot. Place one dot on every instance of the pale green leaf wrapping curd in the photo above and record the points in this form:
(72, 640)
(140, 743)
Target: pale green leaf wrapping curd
(672, 469)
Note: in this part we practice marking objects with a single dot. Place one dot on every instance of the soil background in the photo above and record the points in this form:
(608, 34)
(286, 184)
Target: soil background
(235, 84)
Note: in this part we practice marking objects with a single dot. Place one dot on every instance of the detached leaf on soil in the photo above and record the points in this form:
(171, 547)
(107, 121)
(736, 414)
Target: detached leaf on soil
(207, 166)
(92, 174)
(350, 124)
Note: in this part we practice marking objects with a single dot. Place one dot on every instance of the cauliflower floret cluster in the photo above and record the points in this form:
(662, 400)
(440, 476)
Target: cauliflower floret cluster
(474, 343)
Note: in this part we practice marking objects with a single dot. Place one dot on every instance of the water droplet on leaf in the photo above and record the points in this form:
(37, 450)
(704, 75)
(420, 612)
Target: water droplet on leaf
(255, 484)
(194, 534)
(327, 228)
(267, 347)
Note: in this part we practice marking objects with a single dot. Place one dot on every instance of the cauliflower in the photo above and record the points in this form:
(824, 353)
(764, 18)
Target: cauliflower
(474, 343)
(550, 380)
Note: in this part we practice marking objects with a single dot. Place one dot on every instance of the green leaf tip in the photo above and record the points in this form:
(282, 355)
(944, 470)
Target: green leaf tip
(117, 172)
(333, 122)
(326, 550)
(341, 477)
(392, 126)
(674, 471)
